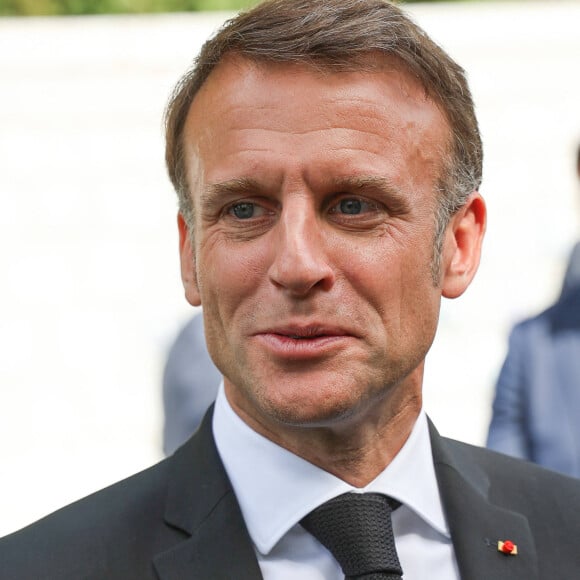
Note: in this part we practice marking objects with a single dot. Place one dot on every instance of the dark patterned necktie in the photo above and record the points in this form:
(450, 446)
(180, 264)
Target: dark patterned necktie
(356, 528)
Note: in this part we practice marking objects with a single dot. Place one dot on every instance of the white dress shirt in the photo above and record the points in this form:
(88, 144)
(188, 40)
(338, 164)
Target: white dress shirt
(276, 489)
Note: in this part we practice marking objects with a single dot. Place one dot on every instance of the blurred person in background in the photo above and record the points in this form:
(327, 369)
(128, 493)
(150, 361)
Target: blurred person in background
(190, 385)
(572, 275)
(536, 408)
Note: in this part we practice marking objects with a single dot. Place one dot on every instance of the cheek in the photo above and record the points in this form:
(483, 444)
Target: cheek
(395, 277)
(227, 271)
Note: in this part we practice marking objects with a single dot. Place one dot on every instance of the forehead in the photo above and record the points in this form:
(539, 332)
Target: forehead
(259, 107)
(240, 78)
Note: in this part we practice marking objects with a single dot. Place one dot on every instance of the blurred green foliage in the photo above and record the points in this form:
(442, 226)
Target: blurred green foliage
(61, 7)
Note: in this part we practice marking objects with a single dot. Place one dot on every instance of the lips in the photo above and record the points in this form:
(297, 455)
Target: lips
(306, 331)
(302, 342)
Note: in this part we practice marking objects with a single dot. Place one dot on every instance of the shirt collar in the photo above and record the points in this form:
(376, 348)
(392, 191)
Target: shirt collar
(276, 489)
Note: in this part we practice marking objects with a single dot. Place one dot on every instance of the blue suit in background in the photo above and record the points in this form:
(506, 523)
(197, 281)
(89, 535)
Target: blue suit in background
(536, 411)
(572, 275)
(190, 385)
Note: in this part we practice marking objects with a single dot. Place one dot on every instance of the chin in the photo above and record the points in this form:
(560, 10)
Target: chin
(311, 411)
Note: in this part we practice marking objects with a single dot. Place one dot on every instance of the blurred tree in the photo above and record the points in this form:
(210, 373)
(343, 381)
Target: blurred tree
(61, 7)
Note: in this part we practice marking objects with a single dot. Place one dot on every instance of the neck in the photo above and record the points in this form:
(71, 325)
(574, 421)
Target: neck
(355, 449)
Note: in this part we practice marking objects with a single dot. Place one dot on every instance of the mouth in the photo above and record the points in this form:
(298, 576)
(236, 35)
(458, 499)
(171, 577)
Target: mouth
(307, 334)
(304, 342)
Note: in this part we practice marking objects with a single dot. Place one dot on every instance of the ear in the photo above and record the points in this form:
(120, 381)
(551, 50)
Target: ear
(188, 266)
(462, 246)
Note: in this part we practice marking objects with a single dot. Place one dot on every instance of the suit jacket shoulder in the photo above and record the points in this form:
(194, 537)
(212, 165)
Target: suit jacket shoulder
(171, 521)
(94, 537)
(489, 497)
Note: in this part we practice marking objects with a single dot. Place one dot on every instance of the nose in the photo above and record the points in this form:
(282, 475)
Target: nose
(301, 258)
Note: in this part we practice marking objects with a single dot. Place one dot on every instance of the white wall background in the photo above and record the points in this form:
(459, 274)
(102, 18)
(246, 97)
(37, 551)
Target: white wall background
(90, 294)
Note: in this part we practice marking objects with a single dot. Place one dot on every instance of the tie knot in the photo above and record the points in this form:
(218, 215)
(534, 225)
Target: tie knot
(356, 528)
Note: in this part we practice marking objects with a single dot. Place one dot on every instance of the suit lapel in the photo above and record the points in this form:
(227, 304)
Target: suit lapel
(202, 504)
(475, 523)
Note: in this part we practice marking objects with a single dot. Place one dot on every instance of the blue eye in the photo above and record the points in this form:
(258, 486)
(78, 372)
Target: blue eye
(355, 207)
(351, 206)
(244, 210)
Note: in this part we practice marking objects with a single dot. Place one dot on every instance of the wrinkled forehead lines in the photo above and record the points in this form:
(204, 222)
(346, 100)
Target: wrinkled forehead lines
(236, 72)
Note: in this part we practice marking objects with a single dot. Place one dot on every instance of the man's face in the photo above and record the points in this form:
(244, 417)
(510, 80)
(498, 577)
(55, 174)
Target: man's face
(314, 231)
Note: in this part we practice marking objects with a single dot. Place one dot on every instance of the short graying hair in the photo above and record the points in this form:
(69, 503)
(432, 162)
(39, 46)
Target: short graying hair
(340, 35)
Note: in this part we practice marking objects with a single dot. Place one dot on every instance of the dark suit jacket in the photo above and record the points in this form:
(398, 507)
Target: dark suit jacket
(536, 408)
(180, 520)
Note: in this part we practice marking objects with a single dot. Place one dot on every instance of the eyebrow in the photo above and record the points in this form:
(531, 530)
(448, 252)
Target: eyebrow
(242, 185)
(398, 203)
(214, 195)
(372, 184)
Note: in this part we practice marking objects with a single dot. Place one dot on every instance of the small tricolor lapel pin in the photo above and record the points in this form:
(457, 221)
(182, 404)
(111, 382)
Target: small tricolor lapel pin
(507, 547)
